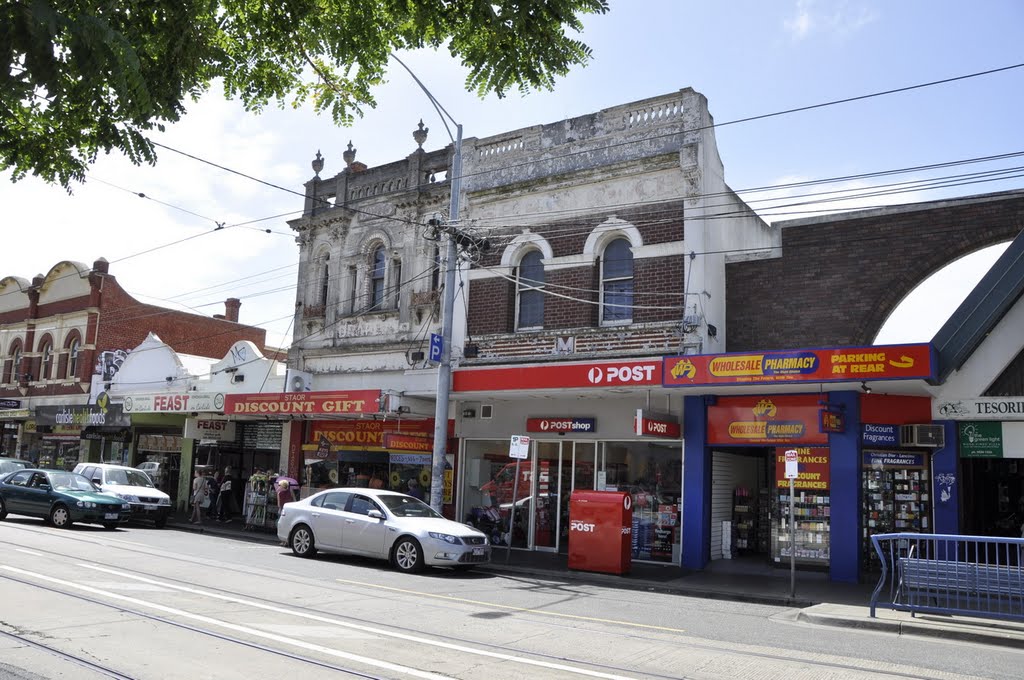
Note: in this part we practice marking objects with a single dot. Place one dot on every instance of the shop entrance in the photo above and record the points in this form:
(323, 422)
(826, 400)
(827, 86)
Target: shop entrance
(741, 503)
(562, 467)
(993, 499)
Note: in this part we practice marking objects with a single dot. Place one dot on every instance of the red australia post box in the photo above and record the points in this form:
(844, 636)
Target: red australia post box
(600, 531)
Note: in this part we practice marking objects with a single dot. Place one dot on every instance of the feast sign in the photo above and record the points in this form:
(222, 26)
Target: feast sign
(558, 375)
(184, 402)
(881, 362)
(777, 419)
(304, 403)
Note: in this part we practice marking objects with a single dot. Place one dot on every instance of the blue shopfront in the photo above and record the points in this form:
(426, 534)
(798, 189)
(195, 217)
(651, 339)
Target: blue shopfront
(851, 485)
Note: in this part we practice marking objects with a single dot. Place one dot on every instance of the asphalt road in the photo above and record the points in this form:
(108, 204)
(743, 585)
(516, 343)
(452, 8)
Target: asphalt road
(156, 604)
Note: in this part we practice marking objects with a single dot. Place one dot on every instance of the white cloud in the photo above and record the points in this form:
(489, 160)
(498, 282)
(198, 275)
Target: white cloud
(837, 20)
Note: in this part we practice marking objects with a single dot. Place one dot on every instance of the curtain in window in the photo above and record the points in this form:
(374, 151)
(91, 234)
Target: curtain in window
(529, 283)
(617, 282)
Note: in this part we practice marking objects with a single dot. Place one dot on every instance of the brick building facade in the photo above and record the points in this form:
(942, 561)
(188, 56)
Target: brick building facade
(54, 329)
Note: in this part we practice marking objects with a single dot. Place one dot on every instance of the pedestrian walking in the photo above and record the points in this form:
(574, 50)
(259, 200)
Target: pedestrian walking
(213, 511)
(225, 502)
(199, 492)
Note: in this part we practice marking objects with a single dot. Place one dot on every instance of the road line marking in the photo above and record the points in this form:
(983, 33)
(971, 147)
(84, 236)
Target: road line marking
(29, 552)
(237, 628)
(528, 610)
(360, 627)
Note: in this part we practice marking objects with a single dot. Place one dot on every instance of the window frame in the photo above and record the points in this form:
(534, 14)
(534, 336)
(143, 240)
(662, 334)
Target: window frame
(521, 287)
(45, 359)
(74, 347)
(377, 275)
(606, 279)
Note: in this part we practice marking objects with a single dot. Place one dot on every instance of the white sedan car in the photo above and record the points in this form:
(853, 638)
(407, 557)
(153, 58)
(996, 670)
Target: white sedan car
(383, 524)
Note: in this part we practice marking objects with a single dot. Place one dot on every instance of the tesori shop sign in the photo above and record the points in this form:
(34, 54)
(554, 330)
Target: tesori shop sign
(89, 415)
(980, 408)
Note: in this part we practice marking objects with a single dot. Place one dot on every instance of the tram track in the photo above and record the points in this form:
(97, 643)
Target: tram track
(72, 658)
(782, 655)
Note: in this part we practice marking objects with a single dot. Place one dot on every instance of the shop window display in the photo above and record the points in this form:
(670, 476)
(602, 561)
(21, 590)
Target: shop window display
(489, 479)
(652, 474)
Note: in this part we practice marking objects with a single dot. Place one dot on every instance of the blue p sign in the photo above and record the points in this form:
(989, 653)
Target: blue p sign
(436, 343)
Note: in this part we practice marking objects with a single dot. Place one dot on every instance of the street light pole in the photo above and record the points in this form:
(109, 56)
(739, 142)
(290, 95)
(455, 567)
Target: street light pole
(444, 368)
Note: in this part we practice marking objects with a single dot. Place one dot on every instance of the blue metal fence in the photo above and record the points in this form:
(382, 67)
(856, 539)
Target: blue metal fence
(949, 574)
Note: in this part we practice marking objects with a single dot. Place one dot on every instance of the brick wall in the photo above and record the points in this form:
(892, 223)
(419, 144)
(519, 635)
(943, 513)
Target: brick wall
(657, 282)
(839, 280)
(125, 322)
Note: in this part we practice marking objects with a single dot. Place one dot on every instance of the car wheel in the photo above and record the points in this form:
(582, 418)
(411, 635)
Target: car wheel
(301, 541)
(60, 516)
(3, 509)
(161, 523)
(408, 556)
(110, 526)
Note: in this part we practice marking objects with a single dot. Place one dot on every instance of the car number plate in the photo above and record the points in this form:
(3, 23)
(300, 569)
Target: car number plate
(111, 515)
(150, 507)
(478, 551)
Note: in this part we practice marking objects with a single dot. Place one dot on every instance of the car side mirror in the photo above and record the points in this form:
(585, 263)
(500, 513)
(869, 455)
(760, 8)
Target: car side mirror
(97, 480)
(44, 487)
(376, 514)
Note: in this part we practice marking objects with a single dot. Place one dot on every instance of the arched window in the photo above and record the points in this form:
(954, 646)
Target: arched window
(46, 365)
(378, 269)
(11, 362)
(16, 370)
(325, 278)
(529, 291)
(617, 283)
(73, 347)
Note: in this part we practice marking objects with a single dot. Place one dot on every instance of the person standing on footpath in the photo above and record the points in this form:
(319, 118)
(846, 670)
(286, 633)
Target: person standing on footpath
(225, 502)
(212, 511)
(284, 493)
(199, 489)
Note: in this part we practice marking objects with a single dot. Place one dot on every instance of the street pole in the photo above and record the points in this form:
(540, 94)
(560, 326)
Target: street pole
(792, 540)
(444, 368)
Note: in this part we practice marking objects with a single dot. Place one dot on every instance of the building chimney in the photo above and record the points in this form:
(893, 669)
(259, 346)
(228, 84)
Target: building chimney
(231, 306)
(101, 266)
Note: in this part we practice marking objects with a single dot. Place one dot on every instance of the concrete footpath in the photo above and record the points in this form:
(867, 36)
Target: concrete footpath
(817, 602)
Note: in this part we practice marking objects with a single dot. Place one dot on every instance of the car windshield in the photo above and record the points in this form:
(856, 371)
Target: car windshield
(128, 478)
(70, 481)
(11, 465)
(407, 506)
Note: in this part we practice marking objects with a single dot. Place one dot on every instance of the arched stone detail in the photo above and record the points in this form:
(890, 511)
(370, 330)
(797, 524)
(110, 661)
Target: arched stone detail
(840, 278)
(522, 244)
(609, 230)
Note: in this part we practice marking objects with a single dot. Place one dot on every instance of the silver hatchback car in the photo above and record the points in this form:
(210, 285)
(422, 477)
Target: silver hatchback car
(382, 524)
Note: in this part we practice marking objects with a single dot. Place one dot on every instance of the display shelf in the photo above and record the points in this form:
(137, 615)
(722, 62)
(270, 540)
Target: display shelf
(744, 515)
(812, 517)
(895, 500)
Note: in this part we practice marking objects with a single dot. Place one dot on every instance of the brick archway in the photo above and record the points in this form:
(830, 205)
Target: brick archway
(839, 278)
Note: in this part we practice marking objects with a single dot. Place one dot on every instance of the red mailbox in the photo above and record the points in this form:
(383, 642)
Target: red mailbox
(600, 531)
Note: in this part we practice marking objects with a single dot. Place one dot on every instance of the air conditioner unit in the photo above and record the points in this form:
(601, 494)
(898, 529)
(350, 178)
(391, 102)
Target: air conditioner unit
(926, 436)
(298, 381)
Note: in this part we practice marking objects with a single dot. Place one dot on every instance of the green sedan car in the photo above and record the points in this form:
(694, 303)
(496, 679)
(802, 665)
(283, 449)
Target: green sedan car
(61, 498)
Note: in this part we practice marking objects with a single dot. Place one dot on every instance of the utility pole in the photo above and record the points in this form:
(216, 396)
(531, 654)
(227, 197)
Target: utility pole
(444, 368)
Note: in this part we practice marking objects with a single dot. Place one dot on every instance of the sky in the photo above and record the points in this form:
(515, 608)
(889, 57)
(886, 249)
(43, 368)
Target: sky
(748, 57)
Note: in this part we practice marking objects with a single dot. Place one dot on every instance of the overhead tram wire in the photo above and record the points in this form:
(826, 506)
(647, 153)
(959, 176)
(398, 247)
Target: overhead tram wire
(567, 155)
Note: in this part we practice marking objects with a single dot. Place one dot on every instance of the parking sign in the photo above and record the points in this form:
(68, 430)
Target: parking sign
(436, 343)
